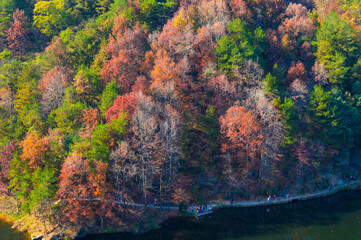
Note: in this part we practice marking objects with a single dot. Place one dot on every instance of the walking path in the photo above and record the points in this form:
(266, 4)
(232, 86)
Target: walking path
(203, 210)
(279, 200)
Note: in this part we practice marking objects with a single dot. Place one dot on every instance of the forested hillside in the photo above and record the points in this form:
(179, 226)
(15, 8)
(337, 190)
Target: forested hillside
(185, 101)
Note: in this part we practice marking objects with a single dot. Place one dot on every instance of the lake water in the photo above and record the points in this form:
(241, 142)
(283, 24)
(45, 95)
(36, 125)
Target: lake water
(334, 218)
(6, 233)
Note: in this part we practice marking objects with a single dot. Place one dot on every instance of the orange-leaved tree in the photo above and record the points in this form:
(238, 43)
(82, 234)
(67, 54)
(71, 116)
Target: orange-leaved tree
(241, 131)
(34, 150)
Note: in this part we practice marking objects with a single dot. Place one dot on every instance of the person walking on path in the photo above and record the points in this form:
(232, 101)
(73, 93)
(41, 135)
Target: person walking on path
(155, 201)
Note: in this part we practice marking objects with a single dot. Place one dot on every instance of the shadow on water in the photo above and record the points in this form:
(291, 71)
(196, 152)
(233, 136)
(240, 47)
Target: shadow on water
(300, 220)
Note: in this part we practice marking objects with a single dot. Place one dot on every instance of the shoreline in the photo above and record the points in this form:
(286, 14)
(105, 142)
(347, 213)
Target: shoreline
(11, 222)
(354, 187)
(241, 204)
(7, 220)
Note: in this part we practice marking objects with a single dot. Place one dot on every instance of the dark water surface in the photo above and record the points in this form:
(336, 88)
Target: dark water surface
(333, 218)
(6, 233)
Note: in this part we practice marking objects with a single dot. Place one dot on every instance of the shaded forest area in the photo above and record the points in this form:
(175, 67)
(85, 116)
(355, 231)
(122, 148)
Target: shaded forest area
(185, 101)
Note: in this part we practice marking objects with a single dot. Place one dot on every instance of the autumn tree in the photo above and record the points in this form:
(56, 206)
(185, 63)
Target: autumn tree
(33, 173)
(299, 93)
(84, 189)
(146, 140)
(320, 73)
(55, 54)
(203, 46)
(53, 86)
(296, 28)
(126, 103)
(325, 7)
(101, 190)
(123, 167)
(241, 131)
(165, 78)
(177, 36)
(74, 189)
(127, 53)
(264, 13)
(170, 136)
(273, 132)
(310, 157)
(18, 33)
(7, 101)
(90, 118)
(297, 71)
(34, 150)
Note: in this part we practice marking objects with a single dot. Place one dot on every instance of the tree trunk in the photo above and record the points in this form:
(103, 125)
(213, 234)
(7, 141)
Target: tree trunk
(247, 183)
(160, 184)
(17, 204)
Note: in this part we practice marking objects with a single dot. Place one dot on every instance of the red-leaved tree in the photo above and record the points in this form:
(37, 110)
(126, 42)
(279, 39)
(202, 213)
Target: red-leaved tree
(296, 71)
(126, 103)
(75, 190)
(18, 33)
(127, 50)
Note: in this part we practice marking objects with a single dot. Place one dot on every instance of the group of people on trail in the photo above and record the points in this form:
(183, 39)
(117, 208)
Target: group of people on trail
(270, 197)
(200, 209)
(164, 203)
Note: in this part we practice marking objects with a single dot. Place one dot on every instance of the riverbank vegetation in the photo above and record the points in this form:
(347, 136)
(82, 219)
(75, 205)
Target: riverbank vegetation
(175, 100)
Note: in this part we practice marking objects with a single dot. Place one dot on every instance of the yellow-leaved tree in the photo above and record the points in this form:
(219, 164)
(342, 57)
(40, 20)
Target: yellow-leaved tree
(50, 16)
